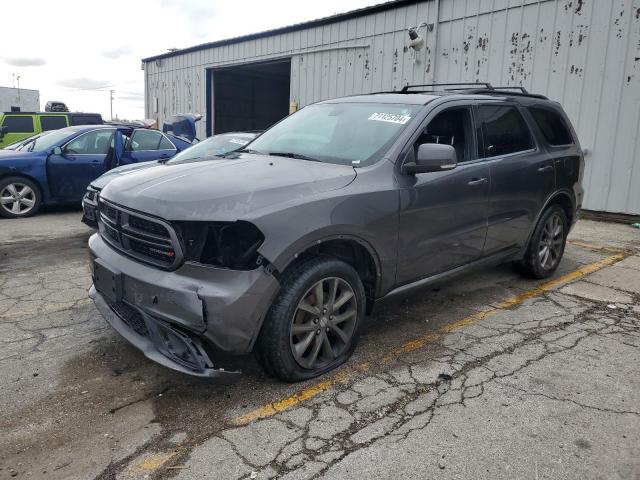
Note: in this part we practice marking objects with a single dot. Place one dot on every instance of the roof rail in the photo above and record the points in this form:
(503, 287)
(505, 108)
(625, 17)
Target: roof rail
(406, 88)
(505, 91)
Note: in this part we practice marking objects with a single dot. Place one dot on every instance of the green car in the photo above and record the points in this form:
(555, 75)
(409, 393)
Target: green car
(15, 126)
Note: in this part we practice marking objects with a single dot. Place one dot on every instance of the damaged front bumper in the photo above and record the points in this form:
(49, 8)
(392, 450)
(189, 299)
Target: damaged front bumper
(178, 318)
(159, 341)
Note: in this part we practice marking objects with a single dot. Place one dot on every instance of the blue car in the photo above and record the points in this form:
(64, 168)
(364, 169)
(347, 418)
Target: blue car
(56, 167)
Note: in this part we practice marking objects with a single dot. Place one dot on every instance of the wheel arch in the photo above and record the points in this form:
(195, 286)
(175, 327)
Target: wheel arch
(563, 198)
(6, 173)
(351, 249)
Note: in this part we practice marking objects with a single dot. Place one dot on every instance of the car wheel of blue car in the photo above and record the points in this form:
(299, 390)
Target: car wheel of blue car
(19, 197)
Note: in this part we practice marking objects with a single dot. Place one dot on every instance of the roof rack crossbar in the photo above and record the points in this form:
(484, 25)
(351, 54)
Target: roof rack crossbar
(406, 88)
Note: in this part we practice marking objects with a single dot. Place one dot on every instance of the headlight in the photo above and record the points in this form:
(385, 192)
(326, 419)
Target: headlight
(232, 245)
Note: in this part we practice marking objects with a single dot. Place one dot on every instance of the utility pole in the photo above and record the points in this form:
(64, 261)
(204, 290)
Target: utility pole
(111, 103)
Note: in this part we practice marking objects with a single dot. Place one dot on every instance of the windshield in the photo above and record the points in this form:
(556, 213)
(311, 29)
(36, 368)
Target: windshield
(213, 146)
(355, 134)
(43, 141)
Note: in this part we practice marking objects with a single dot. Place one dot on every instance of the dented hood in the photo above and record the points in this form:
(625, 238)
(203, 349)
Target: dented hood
(224, 189)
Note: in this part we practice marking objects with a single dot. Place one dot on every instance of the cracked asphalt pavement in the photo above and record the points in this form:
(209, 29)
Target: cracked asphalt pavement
(486, 376)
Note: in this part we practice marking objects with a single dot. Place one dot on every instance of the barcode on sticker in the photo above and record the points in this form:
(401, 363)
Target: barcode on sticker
(390, 117)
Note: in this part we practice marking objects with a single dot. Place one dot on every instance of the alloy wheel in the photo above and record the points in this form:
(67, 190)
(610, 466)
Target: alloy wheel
(17, 198)
(551, 242)
(323, 323)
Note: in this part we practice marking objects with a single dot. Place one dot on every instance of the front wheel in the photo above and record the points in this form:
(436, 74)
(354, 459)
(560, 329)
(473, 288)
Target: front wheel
(19, 197)
(546, 245)
(314, 323)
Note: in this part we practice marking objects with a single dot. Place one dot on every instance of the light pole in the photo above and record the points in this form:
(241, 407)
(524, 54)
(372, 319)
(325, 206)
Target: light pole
(111, 103)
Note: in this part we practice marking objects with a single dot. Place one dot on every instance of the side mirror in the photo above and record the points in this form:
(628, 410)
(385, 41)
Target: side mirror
(4, 129)
(56, 151)
(432, 157)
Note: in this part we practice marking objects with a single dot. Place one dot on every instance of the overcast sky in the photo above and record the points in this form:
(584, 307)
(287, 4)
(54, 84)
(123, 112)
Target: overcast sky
(75, 51)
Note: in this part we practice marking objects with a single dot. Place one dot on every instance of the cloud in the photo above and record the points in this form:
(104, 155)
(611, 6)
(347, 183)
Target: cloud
(196, 11)
(25, 61)
(117, 52)
(83, 83)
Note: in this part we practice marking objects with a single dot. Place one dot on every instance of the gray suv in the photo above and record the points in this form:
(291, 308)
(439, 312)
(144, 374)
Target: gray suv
(283, 247)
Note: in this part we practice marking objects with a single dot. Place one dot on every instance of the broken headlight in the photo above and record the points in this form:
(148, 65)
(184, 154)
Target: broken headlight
(232, 245)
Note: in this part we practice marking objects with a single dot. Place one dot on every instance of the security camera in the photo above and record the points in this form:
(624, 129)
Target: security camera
(415, 40)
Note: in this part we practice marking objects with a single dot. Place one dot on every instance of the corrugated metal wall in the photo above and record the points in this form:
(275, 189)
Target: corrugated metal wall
(583, 53)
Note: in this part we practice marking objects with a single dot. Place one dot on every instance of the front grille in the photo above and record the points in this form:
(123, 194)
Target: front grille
(110, 212)
(149, 227)
(145, 238)
(131, 317)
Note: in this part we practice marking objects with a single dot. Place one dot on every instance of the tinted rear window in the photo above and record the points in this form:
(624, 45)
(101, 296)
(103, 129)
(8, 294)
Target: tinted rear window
(505, 131)
(553, 127)
(144, 140)
(85, 119)
(19, 124)
(52, 122)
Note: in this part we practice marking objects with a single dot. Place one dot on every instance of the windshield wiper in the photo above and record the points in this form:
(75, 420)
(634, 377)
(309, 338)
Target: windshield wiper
(297, 156)
(248, 150)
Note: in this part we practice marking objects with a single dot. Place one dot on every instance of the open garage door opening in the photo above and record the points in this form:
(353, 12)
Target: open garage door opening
(250, 97)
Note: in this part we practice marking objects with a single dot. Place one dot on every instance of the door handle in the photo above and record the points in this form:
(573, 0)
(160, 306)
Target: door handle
(477, 181)
(546, 168)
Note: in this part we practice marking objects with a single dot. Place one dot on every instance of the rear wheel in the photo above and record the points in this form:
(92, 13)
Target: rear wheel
(19, 197)
(546, 245)
(313, 325)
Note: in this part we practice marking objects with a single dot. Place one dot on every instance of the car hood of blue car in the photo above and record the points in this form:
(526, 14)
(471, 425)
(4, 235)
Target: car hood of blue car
(17, 154)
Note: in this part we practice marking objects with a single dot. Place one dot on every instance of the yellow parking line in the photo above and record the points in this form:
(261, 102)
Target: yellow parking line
(595, 247)
(280, 405)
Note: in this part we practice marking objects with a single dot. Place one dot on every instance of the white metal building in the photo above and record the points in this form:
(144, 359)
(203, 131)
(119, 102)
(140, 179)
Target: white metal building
(19, 100)
(583, 53)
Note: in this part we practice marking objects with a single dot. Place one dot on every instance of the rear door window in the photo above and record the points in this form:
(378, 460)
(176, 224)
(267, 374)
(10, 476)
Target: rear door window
(144, 140)
(18, 123)
(553, 127)
(505, 131)
(165, 144)
(52, 122)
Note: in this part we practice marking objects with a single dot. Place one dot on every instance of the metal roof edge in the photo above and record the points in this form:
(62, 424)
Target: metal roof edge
(20, 88)
(360, 12)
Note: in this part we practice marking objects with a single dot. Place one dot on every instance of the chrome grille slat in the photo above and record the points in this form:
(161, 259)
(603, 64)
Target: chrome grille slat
(151, 241)
(140, 234)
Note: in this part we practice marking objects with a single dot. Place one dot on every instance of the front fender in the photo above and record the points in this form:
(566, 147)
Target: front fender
(368, 218)
(32, 169)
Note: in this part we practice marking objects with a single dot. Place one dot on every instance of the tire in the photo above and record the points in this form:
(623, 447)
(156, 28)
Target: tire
(539, 262)
(295, 327)
(19, 197)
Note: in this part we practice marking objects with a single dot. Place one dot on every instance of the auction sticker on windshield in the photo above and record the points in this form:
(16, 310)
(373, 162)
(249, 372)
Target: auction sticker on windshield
(390, 117)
